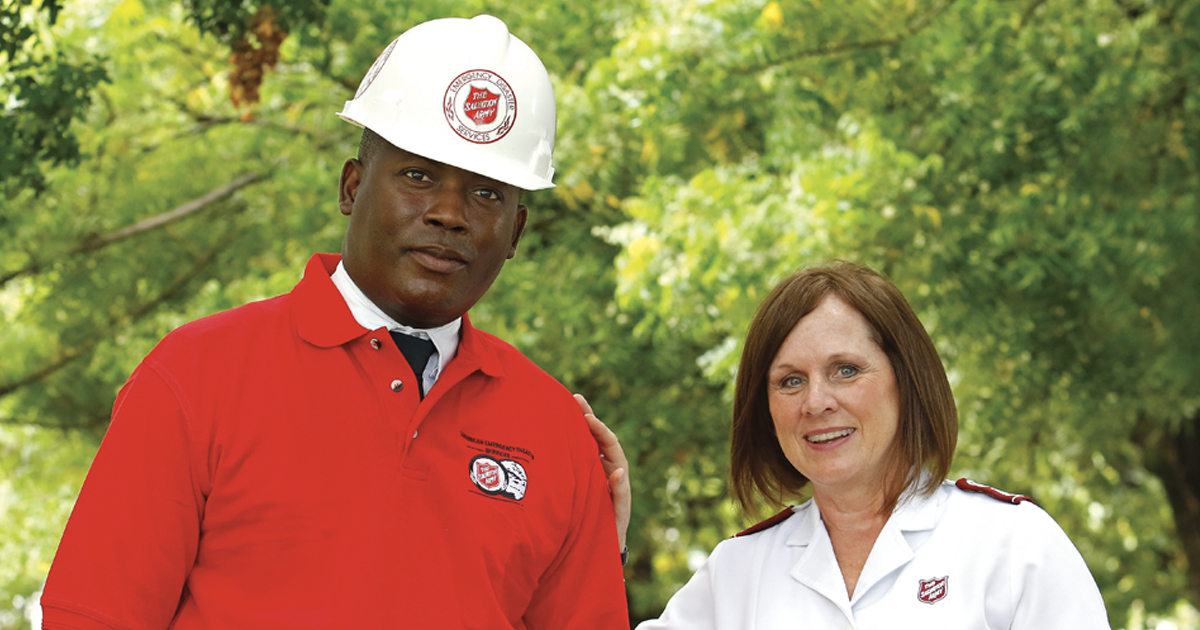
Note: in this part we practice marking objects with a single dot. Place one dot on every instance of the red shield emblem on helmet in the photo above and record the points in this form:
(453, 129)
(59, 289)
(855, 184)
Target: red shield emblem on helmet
(932, 590)
(481, 105)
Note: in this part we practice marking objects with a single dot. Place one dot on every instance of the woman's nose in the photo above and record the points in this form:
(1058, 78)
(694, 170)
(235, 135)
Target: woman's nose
(819, 398)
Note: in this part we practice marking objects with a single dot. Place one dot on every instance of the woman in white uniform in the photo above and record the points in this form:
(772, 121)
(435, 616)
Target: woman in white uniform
(841, 389)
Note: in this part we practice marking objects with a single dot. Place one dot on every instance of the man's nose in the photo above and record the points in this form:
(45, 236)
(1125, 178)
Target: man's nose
(447, 208)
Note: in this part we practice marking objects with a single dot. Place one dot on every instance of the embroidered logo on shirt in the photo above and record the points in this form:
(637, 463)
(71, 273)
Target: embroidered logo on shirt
(932, 590)
(505, 477)
(499, 470)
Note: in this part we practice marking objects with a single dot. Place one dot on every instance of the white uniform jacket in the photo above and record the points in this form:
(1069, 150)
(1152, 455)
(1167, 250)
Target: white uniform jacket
(957, 559)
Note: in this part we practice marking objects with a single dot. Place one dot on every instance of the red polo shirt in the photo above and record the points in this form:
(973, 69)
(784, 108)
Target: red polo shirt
(272, 466)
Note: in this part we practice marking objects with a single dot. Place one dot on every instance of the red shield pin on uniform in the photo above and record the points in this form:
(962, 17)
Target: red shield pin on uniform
(932, 590)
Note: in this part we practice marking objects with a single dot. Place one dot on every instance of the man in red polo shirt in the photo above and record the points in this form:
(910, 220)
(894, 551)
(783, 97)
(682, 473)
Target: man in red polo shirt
(354, 454)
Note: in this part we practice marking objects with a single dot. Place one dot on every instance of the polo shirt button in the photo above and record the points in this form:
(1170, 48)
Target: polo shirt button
(414, 435)
(375, 344)
(397, 385)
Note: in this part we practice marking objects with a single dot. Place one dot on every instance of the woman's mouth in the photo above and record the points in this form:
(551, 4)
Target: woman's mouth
(825, 438)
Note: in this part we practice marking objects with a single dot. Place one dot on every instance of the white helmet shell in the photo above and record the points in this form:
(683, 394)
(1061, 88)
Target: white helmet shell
(467, 93)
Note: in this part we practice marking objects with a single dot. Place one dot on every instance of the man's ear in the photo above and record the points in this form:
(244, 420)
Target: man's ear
(352, 172)
(518, 229)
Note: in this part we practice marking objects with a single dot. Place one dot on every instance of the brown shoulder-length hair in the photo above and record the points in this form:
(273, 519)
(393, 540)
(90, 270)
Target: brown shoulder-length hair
(928, 417)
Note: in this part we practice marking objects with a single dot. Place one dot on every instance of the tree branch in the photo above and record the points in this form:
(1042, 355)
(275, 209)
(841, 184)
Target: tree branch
(171, 291)
(1030, 11)
(207, 121)
(821, 50)
(91, 423)
(160, 220)
(97, 242)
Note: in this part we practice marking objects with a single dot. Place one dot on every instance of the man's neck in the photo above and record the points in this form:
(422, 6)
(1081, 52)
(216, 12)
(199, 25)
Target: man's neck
(368, 315)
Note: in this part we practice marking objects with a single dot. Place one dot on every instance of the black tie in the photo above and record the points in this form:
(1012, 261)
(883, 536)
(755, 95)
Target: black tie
(417, 351)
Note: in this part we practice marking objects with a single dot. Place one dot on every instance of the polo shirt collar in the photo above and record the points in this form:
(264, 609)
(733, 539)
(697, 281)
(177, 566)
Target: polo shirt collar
(321, 315)
(323, 318)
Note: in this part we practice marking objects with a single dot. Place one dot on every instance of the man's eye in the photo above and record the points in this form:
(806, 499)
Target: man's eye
(488, 193)
(420, 176)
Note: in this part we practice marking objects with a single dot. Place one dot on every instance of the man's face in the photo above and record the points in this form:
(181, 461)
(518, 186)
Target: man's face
(425, 239)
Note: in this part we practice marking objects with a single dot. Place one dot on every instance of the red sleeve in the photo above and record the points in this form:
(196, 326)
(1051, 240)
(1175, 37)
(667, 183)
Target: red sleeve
(132, 536)
(584, 586)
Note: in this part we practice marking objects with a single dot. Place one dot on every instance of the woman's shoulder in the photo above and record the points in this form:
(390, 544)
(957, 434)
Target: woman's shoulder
(789, 526)
(991, 508)
(767, 547)
(766, 524)
(969, 486)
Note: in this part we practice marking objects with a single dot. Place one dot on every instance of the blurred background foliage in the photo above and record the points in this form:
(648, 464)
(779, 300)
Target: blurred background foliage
(1025, 170)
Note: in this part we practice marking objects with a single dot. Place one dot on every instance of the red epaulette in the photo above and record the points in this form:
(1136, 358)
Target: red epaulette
(767, 524)
(999, 495)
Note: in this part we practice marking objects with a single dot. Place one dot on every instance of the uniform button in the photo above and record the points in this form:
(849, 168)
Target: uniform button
(397, 385)
(414, 435)
(375, 344)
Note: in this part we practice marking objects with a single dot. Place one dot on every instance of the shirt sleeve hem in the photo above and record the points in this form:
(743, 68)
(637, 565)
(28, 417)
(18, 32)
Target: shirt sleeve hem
(58, 615)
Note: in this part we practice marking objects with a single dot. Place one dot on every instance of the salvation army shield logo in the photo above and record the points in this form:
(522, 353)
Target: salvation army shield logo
(480, 106)
(505, 478)
(487, 474)
(932, 590)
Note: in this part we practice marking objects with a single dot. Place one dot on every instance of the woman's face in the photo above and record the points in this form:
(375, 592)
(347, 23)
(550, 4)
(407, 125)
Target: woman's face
(834, 401)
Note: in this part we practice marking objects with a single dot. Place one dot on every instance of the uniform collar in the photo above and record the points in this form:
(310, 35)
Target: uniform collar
(324, 319)
(817, 566)
(913, 513)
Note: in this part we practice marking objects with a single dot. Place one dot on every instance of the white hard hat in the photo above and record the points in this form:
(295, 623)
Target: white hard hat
(466, 93)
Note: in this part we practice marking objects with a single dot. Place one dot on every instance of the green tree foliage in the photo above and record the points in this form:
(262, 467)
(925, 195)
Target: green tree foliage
(1025, 171)
(43, 90)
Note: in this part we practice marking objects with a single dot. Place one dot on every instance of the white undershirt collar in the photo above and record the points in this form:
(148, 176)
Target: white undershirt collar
(445, 338)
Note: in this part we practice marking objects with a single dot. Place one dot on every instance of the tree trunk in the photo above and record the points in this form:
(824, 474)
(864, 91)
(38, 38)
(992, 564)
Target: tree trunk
(1174, 456)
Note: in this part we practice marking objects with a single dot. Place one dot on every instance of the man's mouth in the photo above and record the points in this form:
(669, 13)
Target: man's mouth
(444, 253)
(438, 259)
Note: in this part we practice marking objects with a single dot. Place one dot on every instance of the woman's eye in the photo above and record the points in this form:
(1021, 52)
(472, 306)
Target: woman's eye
(792, 381)
(846, 371)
